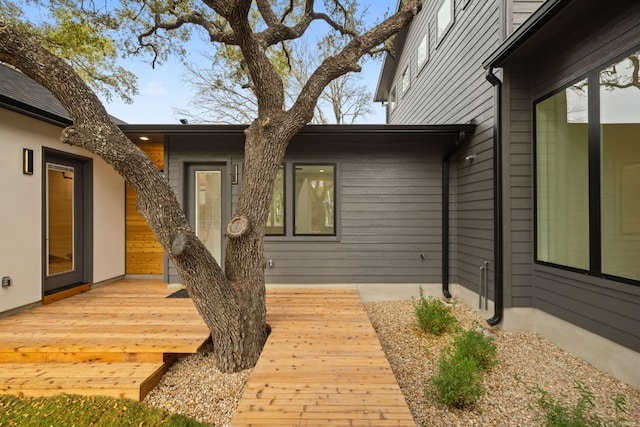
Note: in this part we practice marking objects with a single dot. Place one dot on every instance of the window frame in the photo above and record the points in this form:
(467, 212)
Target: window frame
(441, 36)
(405, 77)
(393, 98)
(595, 176)
(313, 236)
(425, 39)
(284, 201)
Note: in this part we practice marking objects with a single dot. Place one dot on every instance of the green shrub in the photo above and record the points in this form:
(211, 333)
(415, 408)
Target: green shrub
(433, 315)
(458, 382)
(473, 345)
(557, 412)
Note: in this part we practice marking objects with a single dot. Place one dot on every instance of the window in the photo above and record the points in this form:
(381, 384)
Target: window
(314, 199)
(588, 174)
(276, 219)
(423, 51)
(562, 148)
(405, 81)
(393, 99)
(620, 168)
(444, 19)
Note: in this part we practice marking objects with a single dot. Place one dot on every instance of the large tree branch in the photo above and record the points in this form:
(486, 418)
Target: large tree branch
(347, 60)
(93, 130)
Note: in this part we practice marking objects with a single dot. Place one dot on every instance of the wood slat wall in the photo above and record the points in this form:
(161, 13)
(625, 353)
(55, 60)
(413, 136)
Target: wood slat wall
(144, 253)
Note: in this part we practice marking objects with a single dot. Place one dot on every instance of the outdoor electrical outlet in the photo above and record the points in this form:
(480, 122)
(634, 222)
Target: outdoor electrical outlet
(270, 263)
(6, 281)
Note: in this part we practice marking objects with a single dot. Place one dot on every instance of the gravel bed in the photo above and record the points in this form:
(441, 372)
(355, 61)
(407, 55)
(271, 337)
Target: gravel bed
(194, 387)
(413, 356)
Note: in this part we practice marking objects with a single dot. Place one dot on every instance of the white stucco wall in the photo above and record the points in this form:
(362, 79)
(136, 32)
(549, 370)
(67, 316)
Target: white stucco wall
(21, 210)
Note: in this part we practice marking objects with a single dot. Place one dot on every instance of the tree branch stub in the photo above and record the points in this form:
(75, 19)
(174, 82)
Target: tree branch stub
(238, 226)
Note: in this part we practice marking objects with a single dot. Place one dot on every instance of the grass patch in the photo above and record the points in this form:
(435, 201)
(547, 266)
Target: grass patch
(433, 315)
(73, 410)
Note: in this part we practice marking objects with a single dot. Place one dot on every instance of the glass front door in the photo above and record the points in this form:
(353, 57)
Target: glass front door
(63, 223)
(206, 205)
(208, 210)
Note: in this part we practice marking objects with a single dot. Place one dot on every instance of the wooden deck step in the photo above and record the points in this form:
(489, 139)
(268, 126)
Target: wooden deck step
(119, 380)
(114, 340)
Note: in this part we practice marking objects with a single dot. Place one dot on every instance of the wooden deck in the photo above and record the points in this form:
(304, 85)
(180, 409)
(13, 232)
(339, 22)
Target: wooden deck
(116, 340)
(322, 365)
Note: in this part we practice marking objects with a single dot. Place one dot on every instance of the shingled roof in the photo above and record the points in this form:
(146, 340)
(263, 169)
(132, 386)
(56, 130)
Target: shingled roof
(20, 93)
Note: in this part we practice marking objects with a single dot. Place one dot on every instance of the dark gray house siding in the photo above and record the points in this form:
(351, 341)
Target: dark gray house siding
(451, 88)
(388, 201)
(542, 65)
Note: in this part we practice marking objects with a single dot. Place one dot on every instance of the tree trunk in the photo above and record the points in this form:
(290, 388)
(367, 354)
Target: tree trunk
(234, 310)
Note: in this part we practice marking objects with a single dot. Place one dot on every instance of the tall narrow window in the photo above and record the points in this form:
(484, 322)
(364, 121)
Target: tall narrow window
(405, 82)
(208, 214)
(444, 19)
(620, 168)
(562, 150)
(423, 51)
(392, 99)
(314, 200)
(276, 219)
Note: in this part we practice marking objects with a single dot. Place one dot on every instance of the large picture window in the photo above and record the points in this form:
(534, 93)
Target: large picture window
(563, 178)
(314, 199)
(588, 173)
(620, 168)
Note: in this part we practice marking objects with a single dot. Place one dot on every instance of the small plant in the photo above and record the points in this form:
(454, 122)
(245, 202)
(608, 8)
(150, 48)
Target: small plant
(472, 344)
(433, 315)
(458, 382)
(557, 412)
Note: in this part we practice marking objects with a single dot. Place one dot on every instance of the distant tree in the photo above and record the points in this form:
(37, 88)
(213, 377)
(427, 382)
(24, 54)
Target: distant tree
(85, 40)
(224, 93)
(231, 302)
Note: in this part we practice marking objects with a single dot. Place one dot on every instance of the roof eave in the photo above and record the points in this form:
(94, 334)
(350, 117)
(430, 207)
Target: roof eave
(36, 113)
(307, 130)
(532, 25)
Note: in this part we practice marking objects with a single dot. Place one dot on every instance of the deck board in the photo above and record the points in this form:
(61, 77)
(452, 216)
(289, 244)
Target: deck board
(115, 340)
(322, 365)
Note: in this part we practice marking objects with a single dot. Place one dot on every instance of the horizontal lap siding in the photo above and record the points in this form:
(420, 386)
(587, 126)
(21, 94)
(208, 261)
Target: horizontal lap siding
(389, 214)
(452, 88)
(388, 206)
(603, 307)
(522, 9)
(518, 182)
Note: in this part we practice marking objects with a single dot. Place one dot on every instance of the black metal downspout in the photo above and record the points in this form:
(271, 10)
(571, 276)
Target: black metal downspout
(498, 249)
(445, 215)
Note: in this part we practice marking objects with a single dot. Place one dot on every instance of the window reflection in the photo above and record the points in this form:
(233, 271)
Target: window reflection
(563, 178)
(620, 167)
(314, 199)
(275, 221)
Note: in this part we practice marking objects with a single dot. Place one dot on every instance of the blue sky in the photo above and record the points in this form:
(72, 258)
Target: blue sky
(162, 90)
